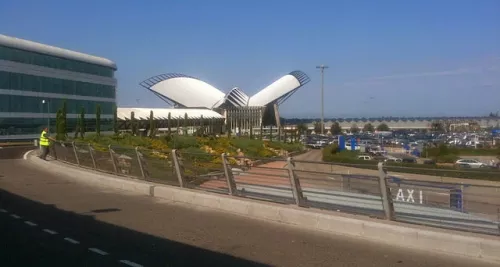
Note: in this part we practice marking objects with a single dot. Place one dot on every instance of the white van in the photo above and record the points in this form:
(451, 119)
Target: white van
(365, 157)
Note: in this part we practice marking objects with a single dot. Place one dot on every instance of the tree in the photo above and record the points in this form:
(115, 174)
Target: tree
(383, 127)
(115, 120)
(169, 124)
(152, 126)
(60, 133)
(317, 127)
(336, 129)
(98, 120)
(437, 126)
(185, 123)
(63, 119)
(354, 128)
(77, 128)
(82, 122)
(202, 126)
(133, 123)
(302, 128)
(368, 128)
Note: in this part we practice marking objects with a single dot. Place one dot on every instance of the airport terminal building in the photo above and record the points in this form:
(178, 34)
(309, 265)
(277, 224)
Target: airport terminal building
(240, 111)
(35, 79)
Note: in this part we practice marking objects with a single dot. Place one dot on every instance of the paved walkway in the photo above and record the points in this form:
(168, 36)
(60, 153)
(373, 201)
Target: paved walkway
(49, 220)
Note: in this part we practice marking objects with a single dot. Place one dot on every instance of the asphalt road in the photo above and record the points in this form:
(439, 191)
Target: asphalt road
(14, 152)
(47, 220)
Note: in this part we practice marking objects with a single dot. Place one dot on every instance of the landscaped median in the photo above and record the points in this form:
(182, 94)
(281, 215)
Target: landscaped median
(392, 233)
(201, 156)
(349, 159)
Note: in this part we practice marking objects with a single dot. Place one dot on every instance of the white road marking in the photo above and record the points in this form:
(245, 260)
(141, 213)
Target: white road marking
(3, 211)
(25, 156)
(30, 223)
(15, 216)
(50, 231)
(72, 241)
(98, 251)
(130, 263)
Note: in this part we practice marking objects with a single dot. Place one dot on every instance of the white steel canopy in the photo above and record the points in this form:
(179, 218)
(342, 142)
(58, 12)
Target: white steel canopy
(186, 91)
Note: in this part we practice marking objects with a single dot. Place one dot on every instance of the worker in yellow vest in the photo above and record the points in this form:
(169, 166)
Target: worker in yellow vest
(44, 144)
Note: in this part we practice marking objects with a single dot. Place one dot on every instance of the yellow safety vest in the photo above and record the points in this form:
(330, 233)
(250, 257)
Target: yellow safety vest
(44, 141)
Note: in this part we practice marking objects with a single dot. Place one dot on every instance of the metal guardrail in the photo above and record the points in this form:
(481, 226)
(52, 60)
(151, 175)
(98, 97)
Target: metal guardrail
(307, 184)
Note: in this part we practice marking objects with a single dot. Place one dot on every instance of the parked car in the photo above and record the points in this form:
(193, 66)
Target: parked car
(393, 160)
(430, 162)
(409, 160)
(469, 163)
(365, 157)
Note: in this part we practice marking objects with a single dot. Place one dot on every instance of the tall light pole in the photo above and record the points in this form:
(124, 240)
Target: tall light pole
(322, 69)
(48, 113)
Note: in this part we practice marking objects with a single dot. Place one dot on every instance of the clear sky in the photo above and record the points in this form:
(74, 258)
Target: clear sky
(386, 58)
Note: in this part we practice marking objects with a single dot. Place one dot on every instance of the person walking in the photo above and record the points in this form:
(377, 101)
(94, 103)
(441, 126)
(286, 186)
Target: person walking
(44, 144)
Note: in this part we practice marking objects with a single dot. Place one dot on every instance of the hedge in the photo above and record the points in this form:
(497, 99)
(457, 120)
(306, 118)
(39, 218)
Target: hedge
(349, 159)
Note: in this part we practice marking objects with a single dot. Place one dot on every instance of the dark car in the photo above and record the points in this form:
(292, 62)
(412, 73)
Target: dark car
(430, 162)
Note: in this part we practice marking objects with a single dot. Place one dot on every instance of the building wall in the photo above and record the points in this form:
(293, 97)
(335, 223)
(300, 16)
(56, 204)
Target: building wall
(33, 87)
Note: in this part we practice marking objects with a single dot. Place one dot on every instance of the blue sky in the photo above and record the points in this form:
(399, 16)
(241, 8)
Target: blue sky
(386, 58)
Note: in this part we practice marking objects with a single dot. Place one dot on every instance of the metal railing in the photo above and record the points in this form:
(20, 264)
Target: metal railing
(350, 188)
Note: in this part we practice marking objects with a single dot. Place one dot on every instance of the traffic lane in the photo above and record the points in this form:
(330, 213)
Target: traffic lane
(152, 232)
(71, 210)
(14, 152)
(24, 243)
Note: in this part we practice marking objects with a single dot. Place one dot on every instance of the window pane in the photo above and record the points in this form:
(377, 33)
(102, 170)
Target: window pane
(27, 57)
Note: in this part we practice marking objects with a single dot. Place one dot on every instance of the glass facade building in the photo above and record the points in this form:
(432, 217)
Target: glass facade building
(36, 79)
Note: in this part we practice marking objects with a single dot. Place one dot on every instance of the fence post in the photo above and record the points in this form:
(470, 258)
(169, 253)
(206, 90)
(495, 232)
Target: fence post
(138, 155)
(55, 151)
(76, 154)
(92, 155)
(462, 197)
(111, 154)
(177, 167)
(298, 195)
(231, 184)
(385, 193)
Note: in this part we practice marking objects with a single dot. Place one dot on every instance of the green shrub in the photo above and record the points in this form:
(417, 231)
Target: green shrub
(182, 142)
(413, 168)
(196, 154)
(286, 146)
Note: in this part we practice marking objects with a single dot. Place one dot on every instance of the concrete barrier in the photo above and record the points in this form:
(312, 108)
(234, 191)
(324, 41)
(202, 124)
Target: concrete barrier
(392, 233)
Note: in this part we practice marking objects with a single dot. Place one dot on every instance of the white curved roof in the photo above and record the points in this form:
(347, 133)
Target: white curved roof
(188, 92)
(276, 90)
(162, 113)
(54, 51)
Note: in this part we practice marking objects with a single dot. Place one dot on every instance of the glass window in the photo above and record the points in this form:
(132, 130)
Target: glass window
(15, 81)
(4, 80)
(26, 82)
(27, 57)
(14, 103)
(12, 126)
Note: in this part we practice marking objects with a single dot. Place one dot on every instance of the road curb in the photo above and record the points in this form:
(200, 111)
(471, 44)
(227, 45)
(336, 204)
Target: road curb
(448, 242)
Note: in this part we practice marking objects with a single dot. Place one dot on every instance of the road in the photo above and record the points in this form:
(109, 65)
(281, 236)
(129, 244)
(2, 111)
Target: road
(12, 152)
(49, 220)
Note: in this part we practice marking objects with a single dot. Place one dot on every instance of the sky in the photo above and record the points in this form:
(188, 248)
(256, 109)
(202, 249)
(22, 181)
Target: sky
(385, 57)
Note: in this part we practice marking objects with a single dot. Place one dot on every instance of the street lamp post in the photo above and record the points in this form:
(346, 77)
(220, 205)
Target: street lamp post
(322, 69)
(48, 113)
